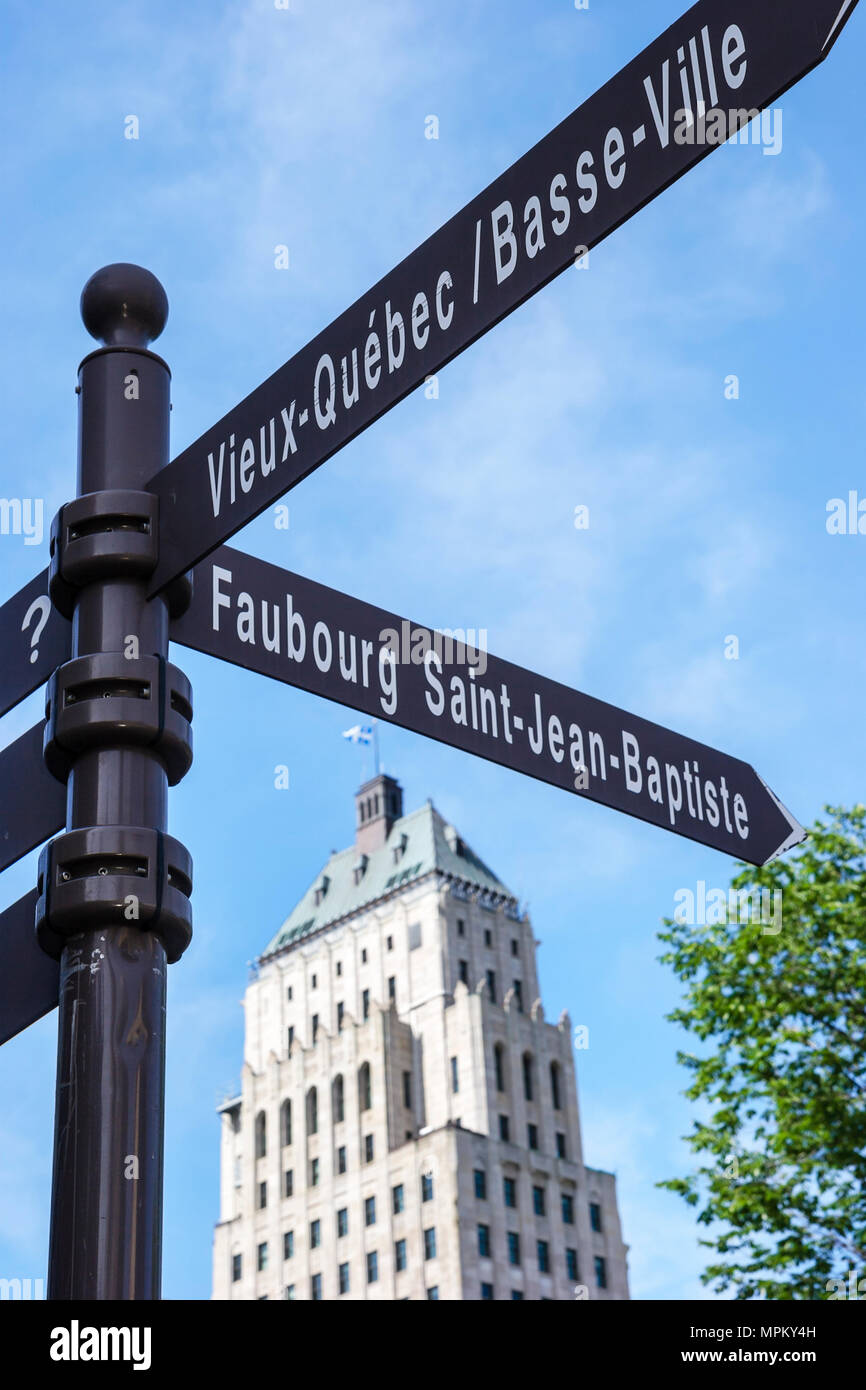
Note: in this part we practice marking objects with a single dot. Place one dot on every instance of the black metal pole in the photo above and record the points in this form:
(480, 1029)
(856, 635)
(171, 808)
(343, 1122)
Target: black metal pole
(114, 889)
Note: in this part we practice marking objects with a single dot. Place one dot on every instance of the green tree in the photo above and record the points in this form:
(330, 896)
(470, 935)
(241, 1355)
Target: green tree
(781, 1092)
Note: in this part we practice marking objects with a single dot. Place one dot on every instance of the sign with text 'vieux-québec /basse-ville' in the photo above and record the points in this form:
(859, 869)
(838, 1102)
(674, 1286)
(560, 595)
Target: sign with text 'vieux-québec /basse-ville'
(699, 82)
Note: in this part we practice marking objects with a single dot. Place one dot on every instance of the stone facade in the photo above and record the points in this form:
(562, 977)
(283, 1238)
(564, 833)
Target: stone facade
(407, 1124)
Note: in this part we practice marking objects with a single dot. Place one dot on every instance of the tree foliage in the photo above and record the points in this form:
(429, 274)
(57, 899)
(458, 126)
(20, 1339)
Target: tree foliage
(781, 1085)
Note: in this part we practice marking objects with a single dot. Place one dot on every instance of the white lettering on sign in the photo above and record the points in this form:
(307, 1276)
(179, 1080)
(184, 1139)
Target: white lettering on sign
(448, 683)
(514, 232)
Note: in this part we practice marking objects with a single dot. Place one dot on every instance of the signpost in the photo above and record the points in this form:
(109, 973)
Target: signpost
(29, 979)
(34, 640)
(33, 803)
(700, 81)
(283, 626)
(112, 904)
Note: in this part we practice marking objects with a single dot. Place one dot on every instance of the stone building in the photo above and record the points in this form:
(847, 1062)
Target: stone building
(407, 1124)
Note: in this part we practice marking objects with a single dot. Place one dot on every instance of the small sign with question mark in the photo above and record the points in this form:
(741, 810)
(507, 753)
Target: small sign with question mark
(42, 606)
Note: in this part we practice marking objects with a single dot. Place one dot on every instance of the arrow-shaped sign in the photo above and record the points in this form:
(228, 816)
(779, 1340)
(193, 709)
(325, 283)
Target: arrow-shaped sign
(296, 631)
(34, 639)
(29, 979)
(32, 802)
(702, 80)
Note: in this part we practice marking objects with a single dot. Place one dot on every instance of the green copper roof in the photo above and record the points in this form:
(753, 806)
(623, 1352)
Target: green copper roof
(430, 843)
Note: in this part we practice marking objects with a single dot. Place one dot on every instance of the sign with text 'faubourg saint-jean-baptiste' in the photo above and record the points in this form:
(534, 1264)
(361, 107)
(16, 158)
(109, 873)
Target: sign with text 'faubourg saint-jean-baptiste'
(304, 634)
(698, 83)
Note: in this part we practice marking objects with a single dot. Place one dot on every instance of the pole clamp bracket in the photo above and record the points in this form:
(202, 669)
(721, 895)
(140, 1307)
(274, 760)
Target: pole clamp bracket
(107, 700)
(113, 534)
(110, 877)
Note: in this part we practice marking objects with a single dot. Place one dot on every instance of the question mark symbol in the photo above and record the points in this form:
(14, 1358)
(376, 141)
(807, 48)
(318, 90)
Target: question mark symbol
(42, 606)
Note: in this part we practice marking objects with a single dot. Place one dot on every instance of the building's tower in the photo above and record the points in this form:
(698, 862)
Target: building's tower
(407, 1124)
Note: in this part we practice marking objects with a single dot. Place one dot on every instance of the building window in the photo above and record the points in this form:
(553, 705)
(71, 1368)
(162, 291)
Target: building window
(567, 1209)
(433, 1294)
(369, 1211)
(237, 1266)
(510, 1190)
(430, 1243)
(463, 971)
(290, 1040)
(288, 1244)
(555, 1088)
(518, 994)
(515, 949)
(503, 1128)
(315, 1234)
(342, 1222)
(313, 982)
(316, 1288)
(389, 943)
(365, 1087)
(543, 1256)
(262, 1256)
(499, 1063)
(461, 927)
(399, 1255)
(338, 1100)
(600, 1271)
(392, 988)
(339, 967)
(407, 1089)
(595, 1216)
(263, 1195)
(414, 935)
(398, 1202)
(341, 1159)
(513, 1248)
(364, 955)
(487, 1293)
(312, 1111)
(455, 1083)
(372, 1266)
(261, 1134)
(368, 1148)
(484, 1242)
(344, 1278)
(516, 1295)
(289, 1182)
(340, 1011)
(488, 939)
(365, 1004)
(286, 1121)
(560, 1146)
(527, 1076)
(491, 985)
(532, 1136)
(426, 1187)
(480, 1184)
(289, 1292)
(538, 1201)
(315, 1028)
(289, 994)
(314, 1172)
(571, 1265)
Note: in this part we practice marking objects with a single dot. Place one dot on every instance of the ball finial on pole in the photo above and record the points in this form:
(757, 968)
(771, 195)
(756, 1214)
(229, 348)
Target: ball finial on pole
(124, 305)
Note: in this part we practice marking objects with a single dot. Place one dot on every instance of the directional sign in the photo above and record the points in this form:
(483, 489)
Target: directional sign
(29, 979)
(702, 80)
(32, 802)
(268, 620)
(34, 639)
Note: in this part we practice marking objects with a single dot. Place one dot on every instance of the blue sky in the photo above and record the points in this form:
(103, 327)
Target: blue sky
(261, 127)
